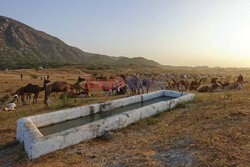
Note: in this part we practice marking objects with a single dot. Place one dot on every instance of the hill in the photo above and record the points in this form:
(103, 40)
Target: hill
(22, 46)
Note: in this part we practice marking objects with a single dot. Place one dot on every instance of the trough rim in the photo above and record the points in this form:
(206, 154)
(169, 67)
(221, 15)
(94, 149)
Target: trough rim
(29, 133)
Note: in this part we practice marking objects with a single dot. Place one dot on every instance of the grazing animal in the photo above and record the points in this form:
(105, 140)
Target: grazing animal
(55, 87)
(76, 85)
(131, 82)
(23, 95)
(194, 85)
(214, 80)
(35, 89)
(233, 85)
(224, 84)
(240, 79)
(84, 92)
(19, 92)
(205, 89)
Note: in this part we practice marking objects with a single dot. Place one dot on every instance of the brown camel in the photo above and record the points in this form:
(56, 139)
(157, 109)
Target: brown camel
(29, 89)
(209, 88)
(55, 87)
(233, 85)
(205, 89)
(23, 95)
(224, 84)
(131, 84)
(194, 85)
(214, 80)
(76, 85)
(240, 79)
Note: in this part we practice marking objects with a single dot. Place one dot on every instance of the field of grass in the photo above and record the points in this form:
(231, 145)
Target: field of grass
(211, 130)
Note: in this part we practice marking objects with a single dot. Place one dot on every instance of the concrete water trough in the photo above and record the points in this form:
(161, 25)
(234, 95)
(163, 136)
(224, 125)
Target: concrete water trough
(48, 132)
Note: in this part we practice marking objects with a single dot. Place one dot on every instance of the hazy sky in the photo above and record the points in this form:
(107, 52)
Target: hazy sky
(171, 32)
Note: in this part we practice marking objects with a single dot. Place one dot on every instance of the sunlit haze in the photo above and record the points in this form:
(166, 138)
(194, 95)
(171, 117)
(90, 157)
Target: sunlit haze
(171, 32)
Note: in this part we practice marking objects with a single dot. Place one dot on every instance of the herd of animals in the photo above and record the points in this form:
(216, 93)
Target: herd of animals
(134, 83)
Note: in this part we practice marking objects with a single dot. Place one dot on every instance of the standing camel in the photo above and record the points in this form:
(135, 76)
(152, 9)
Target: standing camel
(240, 79)
(76, 85)
(55, 87)
(31, 89)
(194, 85)
(130, 82)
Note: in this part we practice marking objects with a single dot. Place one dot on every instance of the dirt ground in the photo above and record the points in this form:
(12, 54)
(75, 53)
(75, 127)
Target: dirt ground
(211, 130)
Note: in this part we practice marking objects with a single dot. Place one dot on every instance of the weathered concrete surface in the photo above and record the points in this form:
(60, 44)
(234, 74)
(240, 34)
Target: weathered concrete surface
(36, 144)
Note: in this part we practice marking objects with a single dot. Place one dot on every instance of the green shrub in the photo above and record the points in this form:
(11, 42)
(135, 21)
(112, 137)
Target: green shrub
(64, 99)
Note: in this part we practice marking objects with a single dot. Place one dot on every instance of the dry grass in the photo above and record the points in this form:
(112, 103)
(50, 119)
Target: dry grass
(212, 130)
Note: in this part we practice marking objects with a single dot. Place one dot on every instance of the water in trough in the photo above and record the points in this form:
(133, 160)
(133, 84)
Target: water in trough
(59, 127)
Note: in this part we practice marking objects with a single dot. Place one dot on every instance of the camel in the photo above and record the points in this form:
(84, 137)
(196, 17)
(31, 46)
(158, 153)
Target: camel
(194, 85)
(224, 84)
(55, 87)
(214, 80)
(205, 89)
(19, 92)
(76, 85)
(233, 85)
(29, 89)
(237, 84)
(240, 79)
(209, 88)
(23, 95)
(131, 84)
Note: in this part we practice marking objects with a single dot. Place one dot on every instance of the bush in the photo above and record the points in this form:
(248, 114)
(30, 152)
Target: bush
(64, 99)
